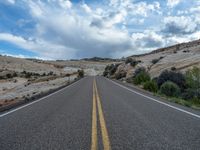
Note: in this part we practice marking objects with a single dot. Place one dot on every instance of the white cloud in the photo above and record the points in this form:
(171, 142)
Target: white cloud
(74, 31)
(179, 25)
(173, 3)
(11, 1)
(148, 39)
(62, 29)
(86, 8)
(132, 8)
(43, 48)
(66, 4)
(35, 9)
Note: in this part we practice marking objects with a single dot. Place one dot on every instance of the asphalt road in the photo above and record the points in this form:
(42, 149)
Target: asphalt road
(96, 113)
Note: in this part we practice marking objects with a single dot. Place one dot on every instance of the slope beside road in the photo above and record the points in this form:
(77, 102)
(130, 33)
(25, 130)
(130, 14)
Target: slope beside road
(95, 113)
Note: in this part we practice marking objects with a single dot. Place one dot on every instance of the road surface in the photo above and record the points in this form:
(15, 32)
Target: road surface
(97, 113)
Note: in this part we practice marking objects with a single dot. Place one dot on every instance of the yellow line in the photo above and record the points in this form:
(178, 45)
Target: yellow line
(104, 132)
(94, 122)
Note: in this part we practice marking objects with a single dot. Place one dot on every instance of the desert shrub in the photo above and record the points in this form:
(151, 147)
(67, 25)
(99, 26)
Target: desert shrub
(129, 80)
(139, 70)
(142, 77)
(50, 73)
(154, 61)
(134, 63)
(186, 51)
(128, 60)
(155, 79)
(170, 89)
(110, 69)
(176, 77)
(36, 74)
(4, 89)
(173, 68)
(44, 74)
(131, 61)
(193, 84)
(80, 73)
(120, 75)
(190, 94)
(113, 69)
(8, 75)
(193, 78)
(105, 73)
(151, 86)
(67, 75)
(28, 75)
(14, 74)
(24, 72)
(161, 57)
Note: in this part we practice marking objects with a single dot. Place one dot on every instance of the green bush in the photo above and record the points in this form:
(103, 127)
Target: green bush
(28, 74)
(173, 68)
(188, 94)
(129, 80)
(141, 78)
(8, 75)
(193, 85)
(113, 69)
(110, 70)
(154, 61)
(191, 94)
(14, 74)
(128, 60)
(80, 73)
(138, 71)
(151, 86)
(170, 89)
(50, 73)
(175, 77)
(193, 78)
(132, 61)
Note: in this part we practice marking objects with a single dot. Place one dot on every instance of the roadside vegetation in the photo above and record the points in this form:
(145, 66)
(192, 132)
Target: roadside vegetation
(170, 84)
(80, 73)
(131, 61)
(176, 86)
(110, 70)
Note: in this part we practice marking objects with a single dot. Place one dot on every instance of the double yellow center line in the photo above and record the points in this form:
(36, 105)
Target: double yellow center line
(104, 132)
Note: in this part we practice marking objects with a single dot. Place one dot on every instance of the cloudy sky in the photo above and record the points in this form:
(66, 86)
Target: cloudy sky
(63, 29)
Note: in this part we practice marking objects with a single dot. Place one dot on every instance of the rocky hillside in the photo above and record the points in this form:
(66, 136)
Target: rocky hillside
(180, 57)
(23, 79)
(90, 67)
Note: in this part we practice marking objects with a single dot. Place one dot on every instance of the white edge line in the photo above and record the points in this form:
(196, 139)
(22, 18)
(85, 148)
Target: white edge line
(36, 101)
(176, 108)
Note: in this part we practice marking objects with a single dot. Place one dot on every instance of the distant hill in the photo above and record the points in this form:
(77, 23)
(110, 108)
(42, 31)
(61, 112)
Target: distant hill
(100, 59)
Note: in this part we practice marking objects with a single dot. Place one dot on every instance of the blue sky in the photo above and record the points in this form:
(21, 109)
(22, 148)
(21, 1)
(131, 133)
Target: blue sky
(63, 29)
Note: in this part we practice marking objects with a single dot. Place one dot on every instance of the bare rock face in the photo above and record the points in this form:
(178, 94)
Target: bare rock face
(180, 57)
(124, 70)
